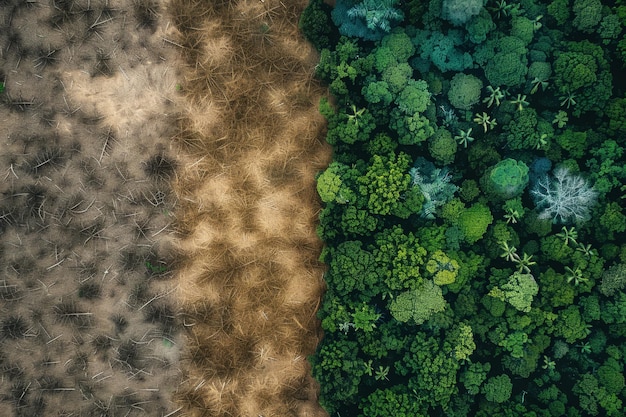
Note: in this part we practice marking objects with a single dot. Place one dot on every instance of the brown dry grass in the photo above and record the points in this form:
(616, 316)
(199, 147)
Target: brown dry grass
(250, 281)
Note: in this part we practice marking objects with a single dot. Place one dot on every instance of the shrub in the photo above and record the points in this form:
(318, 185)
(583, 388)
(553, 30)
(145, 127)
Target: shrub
(14, 327)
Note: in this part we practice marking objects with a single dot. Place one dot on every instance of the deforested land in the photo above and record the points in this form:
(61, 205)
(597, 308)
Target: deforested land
(158, 209)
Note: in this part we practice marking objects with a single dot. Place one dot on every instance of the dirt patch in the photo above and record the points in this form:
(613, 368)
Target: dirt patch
(89, 321)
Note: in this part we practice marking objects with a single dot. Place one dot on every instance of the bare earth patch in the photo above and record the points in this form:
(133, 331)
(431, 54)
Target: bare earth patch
(89, 323)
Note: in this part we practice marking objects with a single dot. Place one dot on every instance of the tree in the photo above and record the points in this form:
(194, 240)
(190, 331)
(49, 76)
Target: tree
(368, 19)
(349, 127)
(397, 44)
(523, 28)
(508, 65)
(432, 371)
(396, 401)
(559, 10)
(399, 257)
(444, 51)
(526, 130)
(613, 279)
(564, 197)
(342, 69)
(442, 146)
(443, 269)
(357, 221)
(414, 97)
(365, 317)
(386, 339)
(352, 269)
(582, 69)
(339, 371)
(335, 312)
(434, 184)
(395, 48)
(573, 142)
(397, 77)
(591, 397)
(410, 129)
(336, 184)
(607, 169)
(613, 220)
(474, 376)
(377, 92)
(385, 183)
(464, 91)
(587, 15)
(316, 25)
(507, 179)
(419, 304)
(459, 12)
(610, 376)
(587, 390)
(474, 221)
(479, 26)
(460, 342)
(570, 325)
(516, 344)
(616, 112)
(498, 388)
(520, 290)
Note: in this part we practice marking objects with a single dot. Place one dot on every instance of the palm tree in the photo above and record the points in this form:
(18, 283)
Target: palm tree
(509, 252)
(354, 117)
(464, 137)
(524, 263)
(587, 250)
(574, 275)
(511, 216)
(536, 83)
(495, 95)
(520, 101)
(568, 235)
(568, 99)
(485, 121)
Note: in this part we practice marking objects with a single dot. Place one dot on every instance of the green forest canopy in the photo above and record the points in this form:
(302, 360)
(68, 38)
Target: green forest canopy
(473, 213)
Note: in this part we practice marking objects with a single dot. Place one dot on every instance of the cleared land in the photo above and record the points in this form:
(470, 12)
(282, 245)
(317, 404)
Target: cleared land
(250, 279)
(158, 208)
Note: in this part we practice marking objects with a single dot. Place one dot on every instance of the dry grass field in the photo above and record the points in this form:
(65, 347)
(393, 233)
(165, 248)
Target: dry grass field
(248, 208)
(158, 252)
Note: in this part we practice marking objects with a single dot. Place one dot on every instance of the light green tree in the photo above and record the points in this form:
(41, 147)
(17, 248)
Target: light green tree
(520, 290)
(443, 268)
(474, 221)
(461, 341)
(419, 304)
(385, 182)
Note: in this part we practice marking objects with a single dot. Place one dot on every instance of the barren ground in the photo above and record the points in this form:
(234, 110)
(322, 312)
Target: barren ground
(158, 209)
